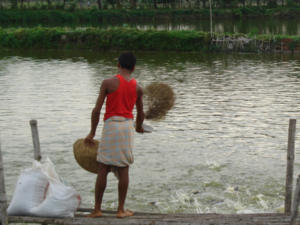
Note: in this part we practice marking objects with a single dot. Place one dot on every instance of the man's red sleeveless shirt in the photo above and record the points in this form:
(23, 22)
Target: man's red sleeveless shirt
(121, 101)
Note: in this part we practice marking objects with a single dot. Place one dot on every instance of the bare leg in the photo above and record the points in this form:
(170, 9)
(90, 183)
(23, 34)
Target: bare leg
(100, 186)
(122, 188)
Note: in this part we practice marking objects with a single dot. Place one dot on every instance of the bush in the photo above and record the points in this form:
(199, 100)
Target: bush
(93, 38)
(133, 39)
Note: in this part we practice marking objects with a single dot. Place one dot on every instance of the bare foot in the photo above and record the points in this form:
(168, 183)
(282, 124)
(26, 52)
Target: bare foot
(123, 214)
(95, 214)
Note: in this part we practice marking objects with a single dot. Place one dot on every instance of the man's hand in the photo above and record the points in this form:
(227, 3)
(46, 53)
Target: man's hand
(89, 139)
(140, 112)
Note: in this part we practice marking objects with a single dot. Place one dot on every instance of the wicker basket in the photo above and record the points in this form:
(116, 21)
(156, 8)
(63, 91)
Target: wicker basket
(85, 155)
(159, 99)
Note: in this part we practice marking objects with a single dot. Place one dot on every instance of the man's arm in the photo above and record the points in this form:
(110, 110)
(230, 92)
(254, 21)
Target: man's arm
(140, 111)
(96, 112)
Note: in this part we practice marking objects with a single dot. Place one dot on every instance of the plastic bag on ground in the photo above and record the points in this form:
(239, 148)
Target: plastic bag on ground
(40, 192)
(30, 191)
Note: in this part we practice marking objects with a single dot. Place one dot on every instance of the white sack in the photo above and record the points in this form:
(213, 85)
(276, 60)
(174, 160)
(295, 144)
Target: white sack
(40, 192)
(61, 201)
(30, 191)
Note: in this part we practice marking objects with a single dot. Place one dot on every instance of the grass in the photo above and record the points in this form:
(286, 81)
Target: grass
(93, 38)
(134, 39)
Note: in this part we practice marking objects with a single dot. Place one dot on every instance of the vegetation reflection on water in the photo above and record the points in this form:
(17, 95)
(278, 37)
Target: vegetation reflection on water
(221, 149)
(247, 26)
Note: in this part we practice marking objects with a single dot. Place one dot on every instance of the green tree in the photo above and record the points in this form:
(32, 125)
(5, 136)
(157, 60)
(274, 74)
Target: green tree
(243, 2)
(14, 4)
(291, 3)
(119, 6)
(99, 2)
(49, 3)
(272, 3)
(132, 4)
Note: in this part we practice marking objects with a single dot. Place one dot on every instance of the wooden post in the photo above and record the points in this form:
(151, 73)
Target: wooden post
(3, 202)
(36, 143)
(296, 202)
(290, 166)
(35, 140)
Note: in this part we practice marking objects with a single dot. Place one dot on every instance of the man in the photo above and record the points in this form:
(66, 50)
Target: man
(115, 149)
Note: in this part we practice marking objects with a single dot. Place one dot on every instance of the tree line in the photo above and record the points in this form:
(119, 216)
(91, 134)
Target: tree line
(145, 4)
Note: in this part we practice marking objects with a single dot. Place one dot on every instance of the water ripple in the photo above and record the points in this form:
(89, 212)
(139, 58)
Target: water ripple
(224, 140)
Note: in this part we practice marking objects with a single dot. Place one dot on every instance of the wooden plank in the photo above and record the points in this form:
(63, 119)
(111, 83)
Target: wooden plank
(164, 219)
(3, 201)
(35, 140)
(290, 166)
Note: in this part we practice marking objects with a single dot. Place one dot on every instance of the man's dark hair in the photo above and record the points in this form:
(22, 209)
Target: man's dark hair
(127, 60)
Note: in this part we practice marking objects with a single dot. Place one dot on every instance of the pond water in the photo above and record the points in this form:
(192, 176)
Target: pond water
(222, 148)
